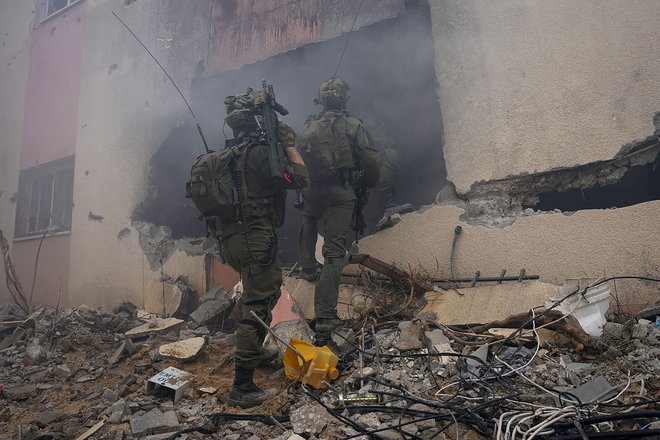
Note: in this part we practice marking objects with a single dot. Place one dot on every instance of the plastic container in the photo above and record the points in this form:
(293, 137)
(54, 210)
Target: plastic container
(589, 309)
(320, 363)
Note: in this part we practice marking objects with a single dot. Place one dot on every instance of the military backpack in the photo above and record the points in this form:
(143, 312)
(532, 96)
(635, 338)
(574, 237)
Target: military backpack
(327, 145)
(211, 186)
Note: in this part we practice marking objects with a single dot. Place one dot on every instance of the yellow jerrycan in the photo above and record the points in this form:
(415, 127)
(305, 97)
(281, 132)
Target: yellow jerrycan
(320, 363)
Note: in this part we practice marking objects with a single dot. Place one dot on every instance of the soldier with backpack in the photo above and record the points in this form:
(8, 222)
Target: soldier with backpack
(343, 166)
(243, 201)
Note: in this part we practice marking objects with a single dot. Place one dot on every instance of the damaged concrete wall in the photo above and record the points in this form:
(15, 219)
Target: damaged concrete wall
(127, 109)
(244, 32)
(556, 246)
(530, 86)
(16, 17)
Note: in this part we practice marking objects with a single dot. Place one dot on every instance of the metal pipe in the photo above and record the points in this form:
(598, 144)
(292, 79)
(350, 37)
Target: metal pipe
(487, 279)
(289, 346)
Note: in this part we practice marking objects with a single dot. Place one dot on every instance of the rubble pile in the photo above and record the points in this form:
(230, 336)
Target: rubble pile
(125, 374)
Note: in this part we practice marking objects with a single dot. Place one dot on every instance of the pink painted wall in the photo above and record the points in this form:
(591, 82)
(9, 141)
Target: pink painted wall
(53, 90)
(50, 127)
(53, 268)
(248, 31)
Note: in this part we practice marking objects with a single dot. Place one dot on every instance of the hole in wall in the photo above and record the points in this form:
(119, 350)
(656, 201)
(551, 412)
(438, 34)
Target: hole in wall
(640, 183)
(390, 68)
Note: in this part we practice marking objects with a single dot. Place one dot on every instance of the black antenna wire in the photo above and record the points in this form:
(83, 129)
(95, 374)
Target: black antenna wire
(347, 40)
(199, 129)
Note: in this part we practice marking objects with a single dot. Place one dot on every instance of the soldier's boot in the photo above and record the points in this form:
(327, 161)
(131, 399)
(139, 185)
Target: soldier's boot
(245, 393)
(327, 325)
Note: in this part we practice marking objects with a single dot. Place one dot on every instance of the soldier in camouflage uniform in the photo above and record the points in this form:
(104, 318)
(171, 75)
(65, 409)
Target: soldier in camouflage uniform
(341, 156)
(250, 245)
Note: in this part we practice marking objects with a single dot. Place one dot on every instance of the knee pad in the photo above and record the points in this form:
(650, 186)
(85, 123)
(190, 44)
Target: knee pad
(254, 324)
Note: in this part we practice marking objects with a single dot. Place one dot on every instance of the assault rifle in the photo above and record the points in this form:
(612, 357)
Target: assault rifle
(360, 201)
(277, 158)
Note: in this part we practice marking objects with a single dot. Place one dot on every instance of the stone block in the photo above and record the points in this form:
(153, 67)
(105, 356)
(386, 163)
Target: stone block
(21, 392)
(309, 419)
(184, 350)
(214, 305)
(154, 422)
(409, 336)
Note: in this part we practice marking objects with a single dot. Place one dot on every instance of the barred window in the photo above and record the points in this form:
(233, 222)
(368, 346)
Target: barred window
(49, 8)
(45, 198)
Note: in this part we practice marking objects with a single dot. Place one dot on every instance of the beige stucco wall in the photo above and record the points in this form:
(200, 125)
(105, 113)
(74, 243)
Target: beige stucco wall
(125, 114)
(556, 246)
(15, 22)
(531, 85)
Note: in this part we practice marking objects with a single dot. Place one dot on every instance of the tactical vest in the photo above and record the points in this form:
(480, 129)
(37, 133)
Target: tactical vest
(327, 144)
(219, 190)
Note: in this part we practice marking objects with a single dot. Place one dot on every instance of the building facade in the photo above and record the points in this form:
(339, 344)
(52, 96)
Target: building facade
(532, 121)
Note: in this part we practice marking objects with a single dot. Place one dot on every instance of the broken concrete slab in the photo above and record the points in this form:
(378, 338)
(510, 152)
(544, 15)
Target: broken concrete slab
(184, 350)
(168, 297)
(487, 303)
(162, 325)
(216, 303)
(598, 389)
(351, 298)
(287, 330)
(126, 348)
(118, 411)
(650, 312)
(65, 371)
(20, 392)
(165, 436)
(154, 422)
(409, 336)
(45, 418)
(306, 420)
(437, 342)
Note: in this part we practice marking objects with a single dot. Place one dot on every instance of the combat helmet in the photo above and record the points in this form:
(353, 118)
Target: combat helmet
(242, 110)
(333, 94)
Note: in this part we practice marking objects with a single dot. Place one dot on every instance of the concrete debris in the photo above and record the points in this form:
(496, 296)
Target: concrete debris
(20, 392)
(287, 330)
(309, 419)
(75, 374)
(184, 350)
(650, 312)
(352, 299)
(119, 411)
(409, 336)
(169, 297)
(65, 371)
(154, 422)
(125, 349)
(45, 418)
(214, 303)
(162, 325)
(5, 415)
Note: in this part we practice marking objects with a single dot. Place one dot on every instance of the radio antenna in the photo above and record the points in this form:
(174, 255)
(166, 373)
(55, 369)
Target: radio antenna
(348, 38)
(199, 129)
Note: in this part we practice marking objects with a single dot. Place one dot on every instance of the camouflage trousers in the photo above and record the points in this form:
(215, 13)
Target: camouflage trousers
(335, 210)
(261, 290)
